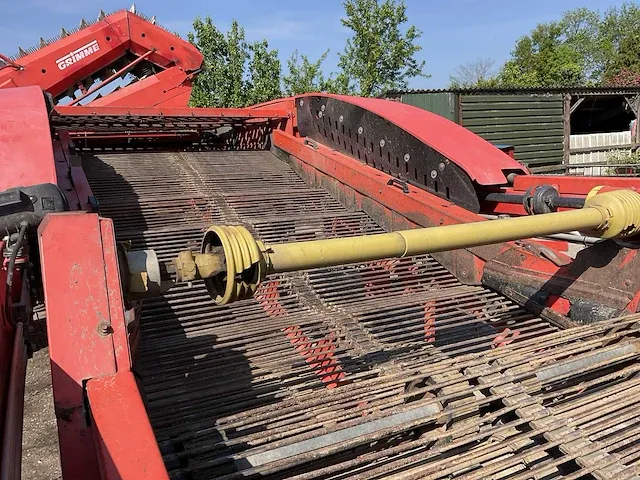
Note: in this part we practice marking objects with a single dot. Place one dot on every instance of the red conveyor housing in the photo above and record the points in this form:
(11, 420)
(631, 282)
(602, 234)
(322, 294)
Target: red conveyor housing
(148, 65)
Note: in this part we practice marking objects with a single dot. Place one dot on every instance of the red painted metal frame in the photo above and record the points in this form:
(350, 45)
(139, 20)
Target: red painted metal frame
(88, 340)
(124, 437)
(573, 185)
(135, 111)
(111, 78)
(116, 35)
(26, 154)
(577, 186)
(169, 88)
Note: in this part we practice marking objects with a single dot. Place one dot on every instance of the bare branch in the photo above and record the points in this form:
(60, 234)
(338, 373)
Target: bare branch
(472, 74)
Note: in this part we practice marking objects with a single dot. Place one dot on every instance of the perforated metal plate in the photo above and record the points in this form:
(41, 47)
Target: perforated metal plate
(375, 141)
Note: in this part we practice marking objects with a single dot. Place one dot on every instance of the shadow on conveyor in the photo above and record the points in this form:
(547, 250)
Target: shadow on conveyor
(187, 378)
(188, 383)
(595, 257)
(116, 198)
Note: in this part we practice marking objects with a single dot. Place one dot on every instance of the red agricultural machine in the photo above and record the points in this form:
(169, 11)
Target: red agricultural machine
(309, 288)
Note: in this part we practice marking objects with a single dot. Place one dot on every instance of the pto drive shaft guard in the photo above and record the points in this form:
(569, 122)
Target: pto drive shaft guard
(232, 263)
(245, 264)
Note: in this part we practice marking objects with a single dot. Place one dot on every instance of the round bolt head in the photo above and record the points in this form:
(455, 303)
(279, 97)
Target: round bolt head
(407, 157)
(322, 108)
(301, 102)
(382, 143)
(319, 114)
(104, 329)
(441, 167)
(341, 118)
(360, 130)
(434, 174)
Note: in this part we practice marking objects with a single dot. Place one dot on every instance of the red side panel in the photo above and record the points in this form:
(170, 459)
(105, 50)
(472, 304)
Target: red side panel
(116, 405)
(56, 67)
(62, 64)
(88, 345)
(168, 48)
(77, 274)
(26, 153)
(483, 162)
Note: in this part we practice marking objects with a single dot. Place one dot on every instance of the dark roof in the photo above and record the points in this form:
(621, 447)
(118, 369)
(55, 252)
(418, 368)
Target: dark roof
(532, 90)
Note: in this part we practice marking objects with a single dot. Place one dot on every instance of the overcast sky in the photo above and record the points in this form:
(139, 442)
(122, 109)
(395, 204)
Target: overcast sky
(454, 31)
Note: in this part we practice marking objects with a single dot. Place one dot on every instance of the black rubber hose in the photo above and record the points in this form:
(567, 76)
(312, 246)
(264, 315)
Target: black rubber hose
(14, 254)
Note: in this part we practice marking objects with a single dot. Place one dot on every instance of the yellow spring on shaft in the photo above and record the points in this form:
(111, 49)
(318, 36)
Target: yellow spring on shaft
(244, 266)
(621, 208)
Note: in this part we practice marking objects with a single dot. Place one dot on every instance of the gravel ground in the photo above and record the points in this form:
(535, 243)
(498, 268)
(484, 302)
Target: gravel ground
(40, 451)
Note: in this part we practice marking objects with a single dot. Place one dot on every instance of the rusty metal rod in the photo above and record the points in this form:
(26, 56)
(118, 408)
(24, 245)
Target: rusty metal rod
(339, 436)
(112, 77)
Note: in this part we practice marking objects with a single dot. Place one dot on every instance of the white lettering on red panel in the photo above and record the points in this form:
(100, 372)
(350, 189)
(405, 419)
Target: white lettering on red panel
(77, 55)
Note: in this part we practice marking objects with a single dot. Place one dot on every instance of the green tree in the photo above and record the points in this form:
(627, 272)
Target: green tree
(304, 75)
(264, 74)
(544, 58)
(584, 47)
(381, 53)
(619, 42)
(235, 73)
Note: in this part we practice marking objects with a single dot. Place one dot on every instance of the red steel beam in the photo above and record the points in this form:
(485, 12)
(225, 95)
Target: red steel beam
(89, 110)
(169, 88)
(573, 185)
(127, 448)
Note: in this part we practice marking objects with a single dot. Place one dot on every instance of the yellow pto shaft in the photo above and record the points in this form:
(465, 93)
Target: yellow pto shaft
(233, 263)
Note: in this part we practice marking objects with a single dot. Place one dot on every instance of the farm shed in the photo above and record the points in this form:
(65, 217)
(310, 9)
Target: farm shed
(537, 122)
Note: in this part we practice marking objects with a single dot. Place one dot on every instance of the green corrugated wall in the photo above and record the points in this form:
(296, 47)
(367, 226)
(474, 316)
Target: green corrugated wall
(444, 104)
(533, 124)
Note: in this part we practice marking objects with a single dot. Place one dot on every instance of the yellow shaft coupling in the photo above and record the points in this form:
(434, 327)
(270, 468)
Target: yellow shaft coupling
(234, 263)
